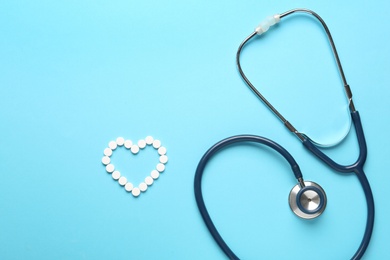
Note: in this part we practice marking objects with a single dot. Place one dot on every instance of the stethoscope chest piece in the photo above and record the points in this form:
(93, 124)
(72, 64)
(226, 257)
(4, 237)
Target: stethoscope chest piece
(307, 202)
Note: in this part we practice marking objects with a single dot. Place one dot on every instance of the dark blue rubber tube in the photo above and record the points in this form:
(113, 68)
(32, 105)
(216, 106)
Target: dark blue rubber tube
(357, 168)
(202, 164)
(302, 208)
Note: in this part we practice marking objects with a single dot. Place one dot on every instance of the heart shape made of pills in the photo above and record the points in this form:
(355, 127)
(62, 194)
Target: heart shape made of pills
(135, 148)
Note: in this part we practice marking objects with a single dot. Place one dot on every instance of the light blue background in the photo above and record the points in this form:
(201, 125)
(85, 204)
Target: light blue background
(76, 74)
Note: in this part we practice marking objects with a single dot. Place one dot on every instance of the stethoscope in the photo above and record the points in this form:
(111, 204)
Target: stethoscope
(307, 199)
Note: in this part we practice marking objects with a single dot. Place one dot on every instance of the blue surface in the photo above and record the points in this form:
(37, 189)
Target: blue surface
(76, 74)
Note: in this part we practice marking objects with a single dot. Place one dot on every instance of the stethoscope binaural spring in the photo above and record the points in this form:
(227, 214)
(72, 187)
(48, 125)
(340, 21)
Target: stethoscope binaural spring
(307, 199)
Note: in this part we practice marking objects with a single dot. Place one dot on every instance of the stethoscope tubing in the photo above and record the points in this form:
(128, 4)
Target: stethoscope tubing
(200, 169)
(356, 168)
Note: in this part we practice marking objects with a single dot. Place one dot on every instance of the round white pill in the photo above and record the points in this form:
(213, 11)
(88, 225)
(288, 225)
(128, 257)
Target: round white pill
(134, 149)
(163, 159)
(107, 152)
(116, 175)
(110, 168)
(122, 180)
(136, 192)
(156, 144)
(162, 150)
(128, 186)
(149, 180)
(160, 167)
(120, 141)
(128, 144)
(106, 160)
(142, 186)
(112, 145)
(155, 174)
(149, 140)
(141, 144)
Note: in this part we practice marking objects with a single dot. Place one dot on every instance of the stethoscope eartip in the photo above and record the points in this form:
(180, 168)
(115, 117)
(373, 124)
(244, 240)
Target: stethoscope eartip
(307, 202)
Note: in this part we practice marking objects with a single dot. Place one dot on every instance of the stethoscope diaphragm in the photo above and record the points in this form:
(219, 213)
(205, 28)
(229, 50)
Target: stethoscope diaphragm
(307, 202)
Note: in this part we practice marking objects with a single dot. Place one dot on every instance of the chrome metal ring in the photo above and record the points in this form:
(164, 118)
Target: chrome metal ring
(308, 203)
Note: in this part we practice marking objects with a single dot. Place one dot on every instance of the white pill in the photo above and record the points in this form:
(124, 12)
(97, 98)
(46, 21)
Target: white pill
(134, 149)
(107, 152)
(160, 167)
(106, 160)
(120, 141)
(142, 186)
(156, 144)
(163, 159)
(141, 144)
(110, 168)
(136, 192)
(149, 180)
(112, 145)
(128, 186)
(122, 180)
(162, 150)
(116, 175)
(155, 174)
(128, 144)
(149, 140)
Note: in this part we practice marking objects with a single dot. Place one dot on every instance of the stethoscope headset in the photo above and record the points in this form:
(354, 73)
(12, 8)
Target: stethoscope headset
(307, 199)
